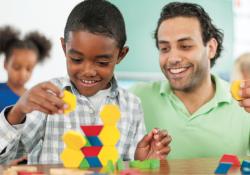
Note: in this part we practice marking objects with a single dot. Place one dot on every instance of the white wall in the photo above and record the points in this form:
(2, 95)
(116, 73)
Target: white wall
(241, 27)
(48, 17)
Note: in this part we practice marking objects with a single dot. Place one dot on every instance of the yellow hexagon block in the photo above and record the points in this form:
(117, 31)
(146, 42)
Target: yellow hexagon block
(108, 153)
(74, 140)
(235, 88)
(109, 135)
(110, 114)
(71, 158)
(70, 100)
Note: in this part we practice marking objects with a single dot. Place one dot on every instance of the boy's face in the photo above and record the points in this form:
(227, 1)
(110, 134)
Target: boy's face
(184, 59)
(91, 60)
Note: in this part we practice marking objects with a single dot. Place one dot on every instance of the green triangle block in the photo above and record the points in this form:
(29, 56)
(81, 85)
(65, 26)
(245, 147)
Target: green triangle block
(87, 142)
(154, 163)
(84, 164)
(120, 165)
(110, 168)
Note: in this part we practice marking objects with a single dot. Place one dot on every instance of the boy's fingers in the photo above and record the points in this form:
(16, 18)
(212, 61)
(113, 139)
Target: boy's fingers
(53, 100)
(164, 151)
(160, 135)
(45, 106)
(164, 142)
(41, 109)
(145, 140)
(51, 88)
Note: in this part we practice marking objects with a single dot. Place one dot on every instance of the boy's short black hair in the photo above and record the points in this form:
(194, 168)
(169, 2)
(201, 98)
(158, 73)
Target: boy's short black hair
(35, 41)
(208, 29)
(98, 17)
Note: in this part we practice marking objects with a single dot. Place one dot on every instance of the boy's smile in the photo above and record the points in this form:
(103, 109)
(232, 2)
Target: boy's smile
(91, 59)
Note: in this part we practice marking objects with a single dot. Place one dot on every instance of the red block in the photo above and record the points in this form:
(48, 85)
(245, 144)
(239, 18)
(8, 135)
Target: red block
(230, 158)
(91, 151)
(92, 130)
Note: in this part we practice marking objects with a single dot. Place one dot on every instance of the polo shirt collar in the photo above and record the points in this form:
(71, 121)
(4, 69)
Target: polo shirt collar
(222, 95)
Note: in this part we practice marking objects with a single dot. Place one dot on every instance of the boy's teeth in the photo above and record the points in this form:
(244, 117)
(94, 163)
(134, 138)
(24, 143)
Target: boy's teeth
(177, 70)
(88, 81)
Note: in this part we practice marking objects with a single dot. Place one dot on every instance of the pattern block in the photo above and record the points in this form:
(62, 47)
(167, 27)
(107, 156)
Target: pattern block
(110, 114)
(74, 140)
(230, 158)
(108, 153)
(71, 158)
(91, 151)
(109, 135)
(70, 100)
(92, 130)
(94, 161)
(98, 146)
(94, 141)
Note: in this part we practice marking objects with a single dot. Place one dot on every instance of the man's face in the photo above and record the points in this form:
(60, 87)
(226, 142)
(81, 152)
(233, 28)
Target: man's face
(184, 59)
(91, 59)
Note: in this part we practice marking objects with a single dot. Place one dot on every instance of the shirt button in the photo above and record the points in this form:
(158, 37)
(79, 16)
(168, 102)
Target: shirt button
(91, 111)
(10, 136)
(68, 126)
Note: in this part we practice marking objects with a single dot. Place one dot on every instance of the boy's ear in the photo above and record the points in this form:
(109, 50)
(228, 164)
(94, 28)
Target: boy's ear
(63, 45)
(122, 54)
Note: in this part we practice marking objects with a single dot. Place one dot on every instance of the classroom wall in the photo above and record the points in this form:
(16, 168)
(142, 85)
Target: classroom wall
(49, 17)
(141, 18)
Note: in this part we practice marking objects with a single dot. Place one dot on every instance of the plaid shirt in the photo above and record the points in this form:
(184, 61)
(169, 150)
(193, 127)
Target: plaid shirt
(41, 134)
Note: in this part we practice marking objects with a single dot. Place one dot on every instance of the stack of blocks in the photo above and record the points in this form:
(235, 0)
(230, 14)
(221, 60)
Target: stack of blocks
(97, 148)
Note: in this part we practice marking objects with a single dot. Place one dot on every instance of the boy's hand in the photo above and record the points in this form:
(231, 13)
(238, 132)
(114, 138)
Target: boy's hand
(245, 94)
(44, 97)
(18, 161)
(154, 145)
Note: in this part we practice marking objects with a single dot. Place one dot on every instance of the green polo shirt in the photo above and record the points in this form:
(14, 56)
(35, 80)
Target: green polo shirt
(219, 127)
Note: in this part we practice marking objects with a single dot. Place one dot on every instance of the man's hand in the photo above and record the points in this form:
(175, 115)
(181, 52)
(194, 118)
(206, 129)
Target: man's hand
(154, 145)
(245, 94)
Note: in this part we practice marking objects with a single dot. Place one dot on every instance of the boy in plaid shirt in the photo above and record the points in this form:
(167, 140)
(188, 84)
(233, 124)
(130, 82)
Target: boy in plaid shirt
(93, 44)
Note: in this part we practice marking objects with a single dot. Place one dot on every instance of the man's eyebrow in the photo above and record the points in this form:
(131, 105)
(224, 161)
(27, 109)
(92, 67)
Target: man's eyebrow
(162, 42)
(185, 39)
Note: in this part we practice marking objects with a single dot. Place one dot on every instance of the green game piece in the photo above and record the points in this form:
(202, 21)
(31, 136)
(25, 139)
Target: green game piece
(144, 164)
(84, 164)
(140, 164)
(134, 164)
(87, 142)
(120, 165)
(110, 167)
(154, 163)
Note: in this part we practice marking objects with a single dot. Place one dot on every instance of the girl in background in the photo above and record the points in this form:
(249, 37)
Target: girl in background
(21, 56)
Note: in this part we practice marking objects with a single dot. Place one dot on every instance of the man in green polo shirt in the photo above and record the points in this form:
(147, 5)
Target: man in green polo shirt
(194, 106)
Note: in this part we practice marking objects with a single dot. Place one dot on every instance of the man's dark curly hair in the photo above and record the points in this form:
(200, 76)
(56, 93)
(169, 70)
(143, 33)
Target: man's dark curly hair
(208, 29)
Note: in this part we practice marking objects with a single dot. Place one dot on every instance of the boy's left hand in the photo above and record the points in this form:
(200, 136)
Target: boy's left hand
(154, 145)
